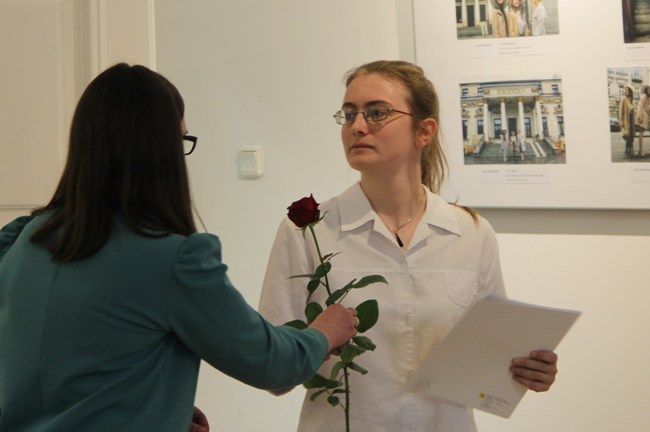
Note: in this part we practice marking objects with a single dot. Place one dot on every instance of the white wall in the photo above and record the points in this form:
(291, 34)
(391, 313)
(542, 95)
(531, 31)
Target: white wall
(269, 73)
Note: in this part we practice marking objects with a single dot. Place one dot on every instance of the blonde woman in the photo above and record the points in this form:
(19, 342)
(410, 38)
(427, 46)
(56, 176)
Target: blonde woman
(438, 258)
(626, 118)
(517, 25)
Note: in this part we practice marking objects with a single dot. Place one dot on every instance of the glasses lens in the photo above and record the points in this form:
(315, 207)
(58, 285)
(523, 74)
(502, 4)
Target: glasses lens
(350, 116)
(344, 117)
(189, 143)
(375, 114)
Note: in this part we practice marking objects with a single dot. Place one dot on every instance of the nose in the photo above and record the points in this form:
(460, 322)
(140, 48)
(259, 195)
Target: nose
(360, 125)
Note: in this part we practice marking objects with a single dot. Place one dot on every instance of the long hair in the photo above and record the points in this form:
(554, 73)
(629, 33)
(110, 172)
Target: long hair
(125, 156)
(423, 103)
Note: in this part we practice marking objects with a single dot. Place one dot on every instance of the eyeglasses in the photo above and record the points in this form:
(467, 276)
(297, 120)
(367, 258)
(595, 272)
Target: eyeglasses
(372, 114)
(189, 143)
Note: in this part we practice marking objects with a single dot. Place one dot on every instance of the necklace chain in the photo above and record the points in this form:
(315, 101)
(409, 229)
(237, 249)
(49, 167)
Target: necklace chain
(399, 227)
(394, 230)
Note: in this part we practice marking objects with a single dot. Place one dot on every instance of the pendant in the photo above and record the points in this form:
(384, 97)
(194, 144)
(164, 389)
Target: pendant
(399, 240)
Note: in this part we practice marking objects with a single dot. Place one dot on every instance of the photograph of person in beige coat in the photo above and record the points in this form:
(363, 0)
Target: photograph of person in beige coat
(500, 18)
(626, 118)
(517, 24)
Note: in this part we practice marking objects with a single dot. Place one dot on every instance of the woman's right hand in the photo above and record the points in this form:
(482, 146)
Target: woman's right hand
(338, 324)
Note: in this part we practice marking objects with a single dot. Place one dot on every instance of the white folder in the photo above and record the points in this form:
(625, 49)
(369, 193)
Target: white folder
(471, 365)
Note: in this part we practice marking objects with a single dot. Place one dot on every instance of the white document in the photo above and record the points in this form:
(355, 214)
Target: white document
(471, 365)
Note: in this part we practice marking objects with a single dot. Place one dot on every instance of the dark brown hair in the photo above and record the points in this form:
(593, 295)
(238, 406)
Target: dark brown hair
(125, 156)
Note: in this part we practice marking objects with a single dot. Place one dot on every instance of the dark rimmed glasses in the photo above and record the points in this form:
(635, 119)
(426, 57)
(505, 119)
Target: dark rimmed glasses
(372, 114)
(189, 144)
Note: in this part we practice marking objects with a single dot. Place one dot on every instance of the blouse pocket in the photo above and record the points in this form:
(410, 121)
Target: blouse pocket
(462, 287)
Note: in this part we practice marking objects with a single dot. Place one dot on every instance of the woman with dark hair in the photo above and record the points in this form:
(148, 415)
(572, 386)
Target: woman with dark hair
(438, 258)
(109, 298)
(499, 18)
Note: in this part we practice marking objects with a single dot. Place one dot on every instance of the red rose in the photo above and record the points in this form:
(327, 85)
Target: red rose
(304, 211)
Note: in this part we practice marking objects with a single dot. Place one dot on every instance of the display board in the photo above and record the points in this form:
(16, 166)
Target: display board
(532, 100)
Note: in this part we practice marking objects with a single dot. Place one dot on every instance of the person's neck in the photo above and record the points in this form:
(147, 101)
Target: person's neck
(395, 199)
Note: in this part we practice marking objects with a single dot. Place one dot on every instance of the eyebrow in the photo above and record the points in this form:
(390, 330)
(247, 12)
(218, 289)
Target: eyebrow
(367, 104)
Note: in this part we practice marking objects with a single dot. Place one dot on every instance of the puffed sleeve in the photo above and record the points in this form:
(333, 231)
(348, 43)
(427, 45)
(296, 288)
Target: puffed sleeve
(10, 233)
(214, 321)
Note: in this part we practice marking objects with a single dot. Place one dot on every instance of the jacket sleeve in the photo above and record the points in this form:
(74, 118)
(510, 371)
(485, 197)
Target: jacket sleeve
(214, 321)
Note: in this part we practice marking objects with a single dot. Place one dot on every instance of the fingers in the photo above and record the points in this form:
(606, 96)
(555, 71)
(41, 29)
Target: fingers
(537, 372)
(355, 318)
(338, 325)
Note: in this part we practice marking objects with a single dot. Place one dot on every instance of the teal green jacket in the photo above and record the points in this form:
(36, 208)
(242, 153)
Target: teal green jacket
(113, 342)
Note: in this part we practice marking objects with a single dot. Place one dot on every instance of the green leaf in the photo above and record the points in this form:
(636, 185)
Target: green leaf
(367, 280)
(319, 381)
(329, 256)
(312, 310)
(348, 352)
(322, 270)
(358, 368)
(333, 400)
(336, 369)
(297, 324)
(368, 314)
(316, 394)
(312, 285)
(339, 391)
(301, 276)
(364, 342)
(336, 295)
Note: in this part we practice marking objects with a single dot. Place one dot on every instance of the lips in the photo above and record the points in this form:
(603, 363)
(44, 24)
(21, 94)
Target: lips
(360, 146)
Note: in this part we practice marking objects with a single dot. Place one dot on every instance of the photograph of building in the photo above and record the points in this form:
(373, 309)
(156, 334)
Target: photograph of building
(515, 121)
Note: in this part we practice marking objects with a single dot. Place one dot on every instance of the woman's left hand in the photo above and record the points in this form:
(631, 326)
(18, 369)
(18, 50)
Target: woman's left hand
(536, 372)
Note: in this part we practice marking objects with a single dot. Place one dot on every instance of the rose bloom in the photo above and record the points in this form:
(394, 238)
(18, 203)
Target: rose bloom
(304, 211)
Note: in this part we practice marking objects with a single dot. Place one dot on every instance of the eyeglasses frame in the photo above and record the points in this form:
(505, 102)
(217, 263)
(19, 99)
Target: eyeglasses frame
(337, 115)
(190, 138)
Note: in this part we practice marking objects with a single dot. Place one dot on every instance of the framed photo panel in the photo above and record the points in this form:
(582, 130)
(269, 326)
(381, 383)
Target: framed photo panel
(544, 103)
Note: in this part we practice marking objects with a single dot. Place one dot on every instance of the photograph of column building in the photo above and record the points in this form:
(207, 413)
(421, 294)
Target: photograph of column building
(514, 122)
(506, 18)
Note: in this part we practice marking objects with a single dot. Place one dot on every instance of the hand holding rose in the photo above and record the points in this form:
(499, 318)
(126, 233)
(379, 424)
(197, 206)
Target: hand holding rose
(338, 324)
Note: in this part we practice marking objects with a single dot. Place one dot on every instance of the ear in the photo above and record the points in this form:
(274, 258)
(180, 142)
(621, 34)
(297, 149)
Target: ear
(426, 131)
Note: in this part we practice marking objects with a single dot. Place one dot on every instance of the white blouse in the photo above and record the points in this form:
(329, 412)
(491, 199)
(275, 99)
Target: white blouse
(452, 261)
